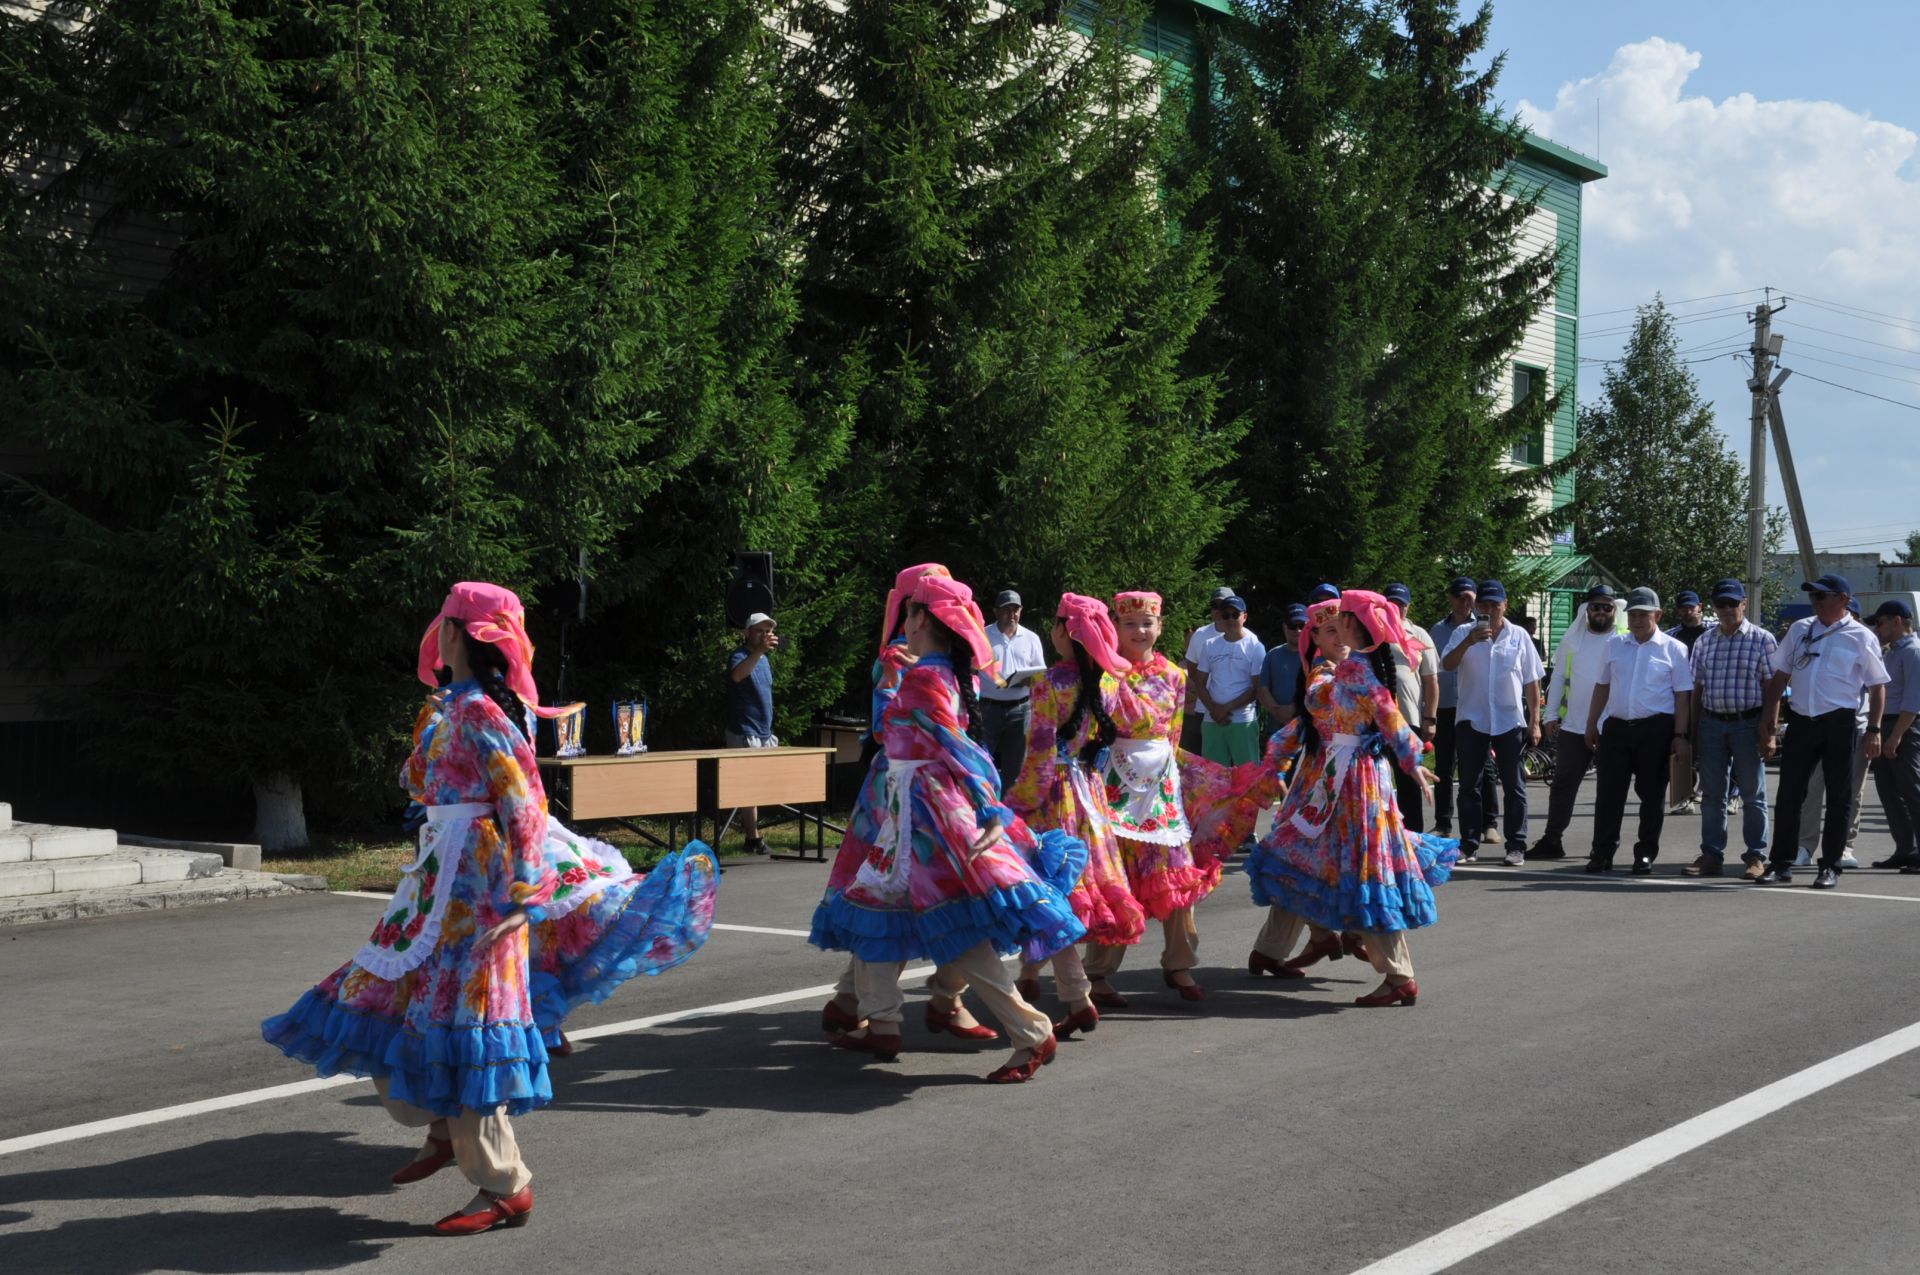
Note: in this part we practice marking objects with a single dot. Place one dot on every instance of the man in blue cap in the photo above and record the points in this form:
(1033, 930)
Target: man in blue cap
(1683, 782)
(1732, 663)
(1498, 672)
(1462, 592)
(1828, 659)
(1896, 776)
(1280, 671)
(1324, 593)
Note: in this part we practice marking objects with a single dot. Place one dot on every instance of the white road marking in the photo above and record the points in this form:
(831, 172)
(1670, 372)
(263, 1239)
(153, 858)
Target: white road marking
(1483, 1231)
(273, 1093)
(362, 894)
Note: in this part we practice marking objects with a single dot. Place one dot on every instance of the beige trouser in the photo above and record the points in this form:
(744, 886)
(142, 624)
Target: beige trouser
(981, 968)
(1388, 952)
(483, 1143)
(1070, 981)
(1182, 950)
(875, 987)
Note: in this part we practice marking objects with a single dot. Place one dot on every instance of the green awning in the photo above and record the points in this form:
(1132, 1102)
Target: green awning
(1572, 572)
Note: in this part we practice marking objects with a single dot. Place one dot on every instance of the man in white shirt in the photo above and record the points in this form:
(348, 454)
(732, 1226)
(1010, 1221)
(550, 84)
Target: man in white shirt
(1224, 682)
(1643, 690)
(1004, 707)
(1828, 659)
(1418, 695)
(1497, 681)
(1190, 661)
(1576, 669)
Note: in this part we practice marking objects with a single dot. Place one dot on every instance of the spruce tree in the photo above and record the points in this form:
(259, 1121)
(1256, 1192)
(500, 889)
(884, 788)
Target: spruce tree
(1372, 289)
(997, 283)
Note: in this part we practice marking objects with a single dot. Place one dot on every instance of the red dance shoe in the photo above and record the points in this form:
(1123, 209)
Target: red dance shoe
(1259, 963)
(562, 1050)
(1328, 947)
(507, 1210)
(885, 1048)
(1029, 989)
(834, 1020)
(941, 1020)
(1353, 947)
(1109, 1000)
(1080, 1020)
(1188, 991)
(427, 1165)
(1020, 1073)
(1404, 994)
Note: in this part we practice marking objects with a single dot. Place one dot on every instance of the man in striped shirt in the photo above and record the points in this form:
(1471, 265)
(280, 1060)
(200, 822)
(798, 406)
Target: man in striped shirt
(1731, 664)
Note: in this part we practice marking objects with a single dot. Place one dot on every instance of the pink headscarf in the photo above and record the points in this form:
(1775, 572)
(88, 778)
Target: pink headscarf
(1380, 618)
(1089, 624)
(952, 604)
(901, 591)
(1314, 613)
(491, 614)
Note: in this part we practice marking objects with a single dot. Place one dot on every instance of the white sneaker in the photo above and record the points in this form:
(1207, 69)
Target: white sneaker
(1848, 861)
(1733, 805)
(1803, 859)
(1683, 808)
(1518, 859)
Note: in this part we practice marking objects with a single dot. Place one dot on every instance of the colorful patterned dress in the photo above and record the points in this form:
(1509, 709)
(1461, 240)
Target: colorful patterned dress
(1054, 791)
(905, 884)
(1339, 854)
(1177, 816)
(452, 1028)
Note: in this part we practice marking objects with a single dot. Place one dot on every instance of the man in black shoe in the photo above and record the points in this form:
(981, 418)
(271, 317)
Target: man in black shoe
(1896, 776)
(1683, 795)
(1498, 675)
(1576, 669)
(1461, 594)
(1645, 686)
(1731, 664)
(1827, 659)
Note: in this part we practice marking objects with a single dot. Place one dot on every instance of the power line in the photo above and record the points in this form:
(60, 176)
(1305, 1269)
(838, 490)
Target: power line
(1867, 316)
(1865, 371)
(1914, 407)
(1685, 301)
(1868, 358)
(1701, 317)
(1903, 349)
(1899, 320)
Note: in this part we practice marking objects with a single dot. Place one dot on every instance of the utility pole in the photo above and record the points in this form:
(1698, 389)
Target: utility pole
(1765, 347)
(1802, 536)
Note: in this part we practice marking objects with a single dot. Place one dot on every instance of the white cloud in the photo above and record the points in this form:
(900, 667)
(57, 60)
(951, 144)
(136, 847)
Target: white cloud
(1707, 197)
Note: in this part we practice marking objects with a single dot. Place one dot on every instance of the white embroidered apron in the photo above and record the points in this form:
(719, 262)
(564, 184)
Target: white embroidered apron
(889, 885)
(1148, 772)
(409, 926)
(1316, 812)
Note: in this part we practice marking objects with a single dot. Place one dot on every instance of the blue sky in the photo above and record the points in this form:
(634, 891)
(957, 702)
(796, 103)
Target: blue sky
(1754, 144)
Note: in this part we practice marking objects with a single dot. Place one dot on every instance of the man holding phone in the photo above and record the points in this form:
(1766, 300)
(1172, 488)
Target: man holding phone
(1497, 682)
(750, 705)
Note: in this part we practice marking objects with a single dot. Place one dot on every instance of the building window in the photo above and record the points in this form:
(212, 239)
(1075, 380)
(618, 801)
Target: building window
(1531, 450)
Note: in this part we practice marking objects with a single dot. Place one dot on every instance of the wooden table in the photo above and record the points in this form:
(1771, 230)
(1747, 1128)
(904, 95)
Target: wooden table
(698, 784)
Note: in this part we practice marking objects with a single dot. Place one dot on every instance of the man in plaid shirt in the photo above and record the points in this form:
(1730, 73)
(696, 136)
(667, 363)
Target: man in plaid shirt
(1731, 663)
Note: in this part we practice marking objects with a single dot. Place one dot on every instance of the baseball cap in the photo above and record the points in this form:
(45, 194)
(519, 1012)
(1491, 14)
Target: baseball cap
(1232, 602)
(1642, 599)
(1853, 605)
(1491, 591)
(1398, 593)
(1462, 584)
(1686, 598)
(1006, 598)
(1220, 595)
(1324, 593)
(1891, 609)
(1296, 613)
(1729, 591)
(1828, 583)
(756, 619)
(1600, 593)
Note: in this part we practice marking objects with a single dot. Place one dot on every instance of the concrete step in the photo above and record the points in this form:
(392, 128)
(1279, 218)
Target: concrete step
(224, 886)
(6, 815)
(41, 842)
(120, 867)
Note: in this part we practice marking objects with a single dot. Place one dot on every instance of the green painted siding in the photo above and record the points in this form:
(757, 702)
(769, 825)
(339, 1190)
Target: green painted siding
(1561, 195)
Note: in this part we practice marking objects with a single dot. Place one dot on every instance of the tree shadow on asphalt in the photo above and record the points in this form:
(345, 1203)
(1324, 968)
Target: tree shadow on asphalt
(201, 1241)
(329, 1165)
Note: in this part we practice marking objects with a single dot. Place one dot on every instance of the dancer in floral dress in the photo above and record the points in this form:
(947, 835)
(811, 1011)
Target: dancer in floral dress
(1177, 816)
(1069, 732)
(1339, 857)
(443, 1007)
(933, 864)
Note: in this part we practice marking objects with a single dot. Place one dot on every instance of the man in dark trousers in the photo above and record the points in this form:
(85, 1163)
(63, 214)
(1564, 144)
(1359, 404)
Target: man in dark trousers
(1683, 784)
(1644, 687)
(1828, 659)
(1461, 595)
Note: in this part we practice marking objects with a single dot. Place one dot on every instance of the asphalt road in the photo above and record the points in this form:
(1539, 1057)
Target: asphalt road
(1271, 1128)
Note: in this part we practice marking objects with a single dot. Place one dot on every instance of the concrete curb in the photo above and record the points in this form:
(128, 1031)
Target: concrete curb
(235, 854)
(224, 886)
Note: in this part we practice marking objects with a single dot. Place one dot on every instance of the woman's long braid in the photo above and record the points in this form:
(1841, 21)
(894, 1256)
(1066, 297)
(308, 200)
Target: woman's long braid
(961, 653)
(490, 669)
(1309, 733)
(1089, 700)
(1380, 658)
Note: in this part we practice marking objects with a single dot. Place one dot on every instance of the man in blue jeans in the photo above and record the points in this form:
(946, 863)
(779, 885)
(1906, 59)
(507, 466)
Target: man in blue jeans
(1498, 672)
(1731, 661)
